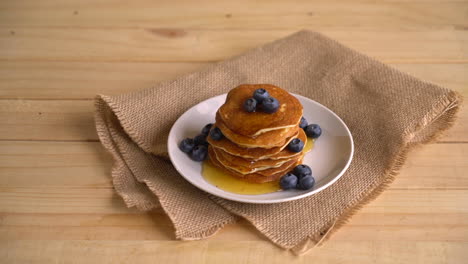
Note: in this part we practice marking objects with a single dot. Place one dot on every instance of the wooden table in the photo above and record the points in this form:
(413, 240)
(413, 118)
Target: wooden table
(57, 204)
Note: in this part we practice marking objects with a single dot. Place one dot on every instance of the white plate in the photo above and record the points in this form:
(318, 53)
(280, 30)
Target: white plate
(329, 159)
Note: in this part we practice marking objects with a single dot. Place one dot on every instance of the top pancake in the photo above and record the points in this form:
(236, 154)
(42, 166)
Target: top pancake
(253, 124)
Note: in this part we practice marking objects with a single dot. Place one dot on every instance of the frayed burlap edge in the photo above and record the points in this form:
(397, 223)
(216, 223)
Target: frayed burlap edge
(148, 200)
(104, 133)
(449, 106)
(444, 113)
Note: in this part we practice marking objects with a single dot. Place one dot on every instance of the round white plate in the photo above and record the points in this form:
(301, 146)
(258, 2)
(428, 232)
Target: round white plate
(329, 159)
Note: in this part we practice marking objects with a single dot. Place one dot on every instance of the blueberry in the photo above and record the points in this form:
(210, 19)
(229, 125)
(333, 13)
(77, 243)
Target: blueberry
(186, 145)
(199, 153)
(216, 134)
(200, 140)
(303, 123)
(302, 170)
(313, 131)
(306, 182)
(270, 105)
(250, 105)
(288, 181)
(206, 129)
(296, 145)
(260, 95)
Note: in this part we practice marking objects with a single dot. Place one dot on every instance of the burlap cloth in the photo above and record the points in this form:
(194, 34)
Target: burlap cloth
(388, 113)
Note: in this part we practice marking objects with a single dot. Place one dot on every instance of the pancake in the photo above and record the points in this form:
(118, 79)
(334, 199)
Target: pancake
(252, 177)
(270, 139)
(249, 163)
(263, 167)
(256, 123)
(258, 153)
(253, 164)
(267, 167)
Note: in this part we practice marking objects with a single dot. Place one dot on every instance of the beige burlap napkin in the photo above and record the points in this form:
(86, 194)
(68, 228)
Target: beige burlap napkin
(388, 113)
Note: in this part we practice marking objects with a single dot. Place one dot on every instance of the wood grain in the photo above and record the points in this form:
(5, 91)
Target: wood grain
(71, 120)
(212, 251)
(61, 192)
(156, 45)
(57, 204)
(86, 200)
(156, 226)
(86, 166)
(47, 120)
(243, 14)
(83, 80)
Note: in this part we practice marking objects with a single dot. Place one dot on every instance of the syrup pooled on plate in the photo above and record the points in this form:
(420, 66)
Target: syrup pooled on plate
(226, 182)
(309, 145)
(229, 183)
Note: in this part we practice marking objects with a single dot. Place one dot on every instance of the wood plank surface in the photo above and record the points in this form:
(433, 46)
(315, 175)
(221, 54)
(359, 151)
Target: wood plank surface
(83, 80)
(157, 226)
(155, 45)
(37, 205)
(244, 14)
(86, 166)
(71, 120)
(104, 200)
(47, 120)
(57, 203)
(210, 251)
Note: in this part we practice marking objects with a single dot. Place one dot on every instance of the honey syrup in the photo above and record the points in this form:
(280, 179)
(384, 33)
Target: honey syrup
(226, 182)
(309, 145)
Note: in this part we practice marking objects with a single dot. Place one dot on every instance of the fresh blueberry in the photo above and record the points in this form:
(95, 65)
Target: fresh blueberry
(186, 145)
(199, 153)
(206, 129)
(296, 145)
(260, 95)
(302, 170)
(288, 181)
(313, 131)
(306, 182)
(216, 133)
(250, 105)
(270, 105)
(200, 140)
(303, 123)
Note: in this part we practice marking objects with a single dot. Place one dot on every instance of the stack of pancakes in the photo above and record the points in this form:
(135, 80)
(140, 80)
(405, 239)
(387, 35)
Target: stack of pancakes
(254, 146)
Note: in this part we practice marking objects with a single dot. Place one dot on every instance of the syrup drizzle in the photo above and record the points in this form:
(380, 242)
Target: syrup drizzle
(226, 182)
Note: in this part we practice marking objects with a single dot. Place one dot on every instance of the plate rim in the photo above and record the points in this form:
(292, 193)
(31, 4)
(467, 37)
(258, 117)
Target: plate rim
(268, 201)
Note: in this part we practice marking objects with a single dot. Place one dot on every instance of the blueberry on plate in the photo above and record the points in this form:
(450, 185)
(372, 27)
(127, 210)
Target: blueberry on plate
(250, 105)
(270, 105)
(187, 145)
(303, 123)
(206, 129)
(288, 181)
(260, 95)
(313, 131)
(200, 140)
(302, 170)
(199, 153)
(306, 182)
(296, 145)
(216, 133)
